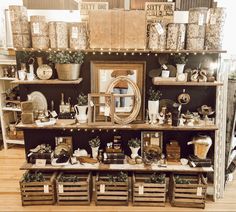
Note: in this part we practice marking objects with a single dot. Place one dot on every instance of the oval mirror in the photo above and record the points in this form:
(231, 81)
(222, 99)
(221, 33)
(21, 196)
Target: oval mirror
(127, 99)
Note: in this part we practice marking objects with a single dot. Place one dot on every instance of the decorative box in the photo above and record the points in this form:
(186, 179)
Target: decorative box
(78, 35)
(58, 34)
(40, 42)
(157, 36)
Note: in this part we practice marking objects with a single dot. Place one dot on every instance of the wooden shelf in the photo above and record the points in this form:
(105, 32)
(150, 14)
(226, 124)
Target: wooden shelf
(11, 109)
(120, 127)
(15, 141)
(7, 62)
(119, 167)
(13, 101)
(175, 83)
(129, 50)
(7, 51)
(48, 82)
(7, 78)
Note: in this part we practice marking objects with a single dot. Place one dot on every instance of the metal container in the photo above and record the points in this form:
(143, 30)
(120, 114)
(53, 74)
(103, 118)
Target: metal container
(195, 36)
(21, 41)
(58, 34)
(157, 36)
(176, 36)
(68, 72)
(40, 42)
(78, 35)
(214, 28)
(198, 15)
(18, 13)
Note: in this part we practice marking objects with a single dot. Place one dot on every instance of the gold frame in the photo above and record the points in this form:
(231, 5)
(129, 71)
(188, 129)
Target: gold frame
(140, 66)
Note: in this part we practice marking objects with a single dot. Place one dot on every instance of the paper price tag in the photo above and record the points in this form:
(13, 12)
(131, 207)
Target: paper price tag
(164, 67)
(102, 188)
(74, 32)
(140, 189)
(193, 164)
(213, 20)
(91, 103)
(36, 29)
(107, 111)
(201, 19)
(46, 189)
(40, 162)
(159, 29)
(199, 191)
(54, 114)
(61, 188)
(182, 38)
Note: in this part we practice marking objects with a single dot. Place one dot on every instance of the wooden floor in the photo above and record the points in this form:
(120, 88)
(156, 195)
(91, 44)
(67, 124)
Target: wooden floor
(13, 158)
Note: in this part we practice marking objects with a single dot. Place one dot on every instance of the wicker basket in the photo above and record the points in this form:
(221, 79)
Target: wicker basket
(68, 72)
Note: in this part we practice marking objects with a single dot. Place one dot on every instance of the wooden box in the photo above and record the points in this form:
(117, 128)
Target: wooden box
(38, 193)
(148, 194)
(74, 193)
(173, 151)
(110, 193)
(191, 194)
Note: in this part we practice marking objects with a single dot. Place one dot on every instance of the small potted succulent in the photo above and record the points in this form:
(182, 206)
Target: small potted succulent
(134, 145)
(153, 104)
(81, 108)
(180, 61)
(94, 144)
(67, 64)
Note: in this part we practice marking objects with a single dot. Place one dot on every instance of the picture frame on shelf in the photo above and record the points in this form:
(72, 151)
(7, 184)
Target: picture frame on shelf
(151, 138)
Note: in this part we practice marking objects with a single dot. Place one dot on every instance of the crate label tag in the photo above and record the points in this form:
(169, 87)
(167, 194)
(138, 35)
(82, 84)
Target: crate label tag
(213, 20)
(201, 19)
(61, 188)
(159, 29)
(54, 114)
(40, 162)
(107, 111)
(199, 191)
(102, 188)
(74, 32)
(91, 103)
(36, 29)
(46, 189)
(140, 189)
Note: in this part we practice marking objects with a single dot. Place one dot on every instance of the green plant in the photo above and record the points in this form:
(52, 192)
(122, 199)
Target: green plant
(66, 57)
(156, 178)
(134, 142)
(119, 177)
(154, 95)
(23, 56)
(82, 99)
(70, 178)
(180, 59)
(95, 142)
(33, 177)
(180, 180)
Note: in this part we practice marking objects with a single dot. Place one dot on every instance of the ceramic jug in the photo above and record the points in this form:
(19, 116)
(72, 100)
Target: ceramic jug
(81, 113)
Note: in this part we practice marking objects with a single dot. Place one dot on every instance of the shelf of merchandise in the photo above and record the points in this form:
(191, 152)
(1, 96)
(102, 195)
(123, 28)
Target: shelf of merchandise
(15, 141)
(48, 82)
(209, 84)
(120, 127)
(7, 51)
(118, 167)
(11, 109)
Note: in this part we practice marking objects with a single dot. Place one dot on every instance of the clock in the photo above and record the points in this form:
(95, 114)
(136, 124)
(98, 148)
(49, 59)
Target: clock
(181, 77)
(44, 72)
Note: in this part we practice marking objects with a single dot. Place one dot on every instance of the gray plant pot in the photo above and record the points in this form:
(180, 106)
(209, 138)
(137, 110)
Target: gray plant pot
(68, 72)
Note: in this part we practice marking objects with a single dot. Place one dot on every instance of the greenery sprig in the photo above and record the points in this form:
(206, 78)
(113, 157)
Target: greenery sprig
(156, 178)
(120, 177)
(95, 142)
(154, 95)
(33, 177)
(70, 178)
(134, 142)
(82, 99)
(180, 59)
(179, 180)
(66, 57)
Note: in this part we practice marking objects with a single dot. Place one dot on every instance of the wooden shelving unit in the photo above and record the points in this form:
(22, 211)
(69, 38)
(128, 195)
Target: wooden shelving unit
(48, 82)
(116, 167)
(209, 84)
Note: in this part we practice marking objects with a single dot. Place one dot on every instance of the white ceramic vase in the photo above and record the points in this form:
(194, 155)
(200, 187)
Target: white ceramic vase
(180, 68)
(81, 113)
(153, 110)
(95, 152)
(134, 151)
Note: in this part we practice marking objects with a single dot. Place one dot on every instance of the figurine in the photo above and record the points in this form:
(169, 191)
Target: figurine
(181, 120)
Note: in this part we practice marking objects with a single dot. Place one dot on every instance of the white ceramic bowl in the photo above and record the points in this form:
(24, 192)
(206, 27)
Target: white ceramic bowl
(184, 161)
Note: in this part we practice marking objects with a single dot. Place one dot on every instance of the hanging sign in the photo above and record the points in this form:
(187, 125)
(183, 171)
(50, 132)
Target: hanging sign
(85, 7)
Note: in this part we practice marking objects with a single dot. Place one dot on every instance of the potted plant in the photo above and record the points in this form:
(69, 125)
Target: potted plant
(134, 145)
(153, 104)
(180, 61)
(94, 144)
(67, 64)
(81, 112)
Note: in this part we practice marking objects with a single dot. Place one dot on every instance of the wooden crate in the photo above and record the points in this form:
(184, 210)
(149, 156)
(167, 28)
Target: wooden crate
(38, 193)
(153, 194)
(114, 193)
(188, 195)
(74, 193)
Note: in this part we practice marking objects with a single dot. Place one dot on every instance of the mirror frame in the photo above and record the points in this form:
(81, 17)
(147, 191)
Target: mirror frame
(140, 66)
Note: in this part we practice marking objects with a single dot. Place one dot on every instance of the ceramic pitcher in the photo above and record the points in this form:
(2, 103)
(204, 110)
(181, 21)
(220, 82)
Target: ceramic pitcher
(81, 113)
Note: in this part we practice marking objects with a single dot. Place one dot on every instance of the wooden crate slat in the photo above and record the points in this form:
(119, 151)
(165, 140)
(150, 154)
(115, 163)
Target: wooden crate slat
(36, 193)
(156, 204)
(112, 193)
(74, 183)
(75, 189)
(74, 193)
(112, 198)
(113, 188)
(189, 196)
(111, 203)
(194, 190)
(150, 190)
(37, 198)
(149, 199)
(44, 202)
(73, 198)
(151, 185)
(188, 200)
(151, 196)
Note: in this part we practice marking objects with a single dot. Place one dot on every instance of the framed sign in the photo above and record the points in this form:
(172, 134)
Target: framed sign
(85, 7)
(160, 11)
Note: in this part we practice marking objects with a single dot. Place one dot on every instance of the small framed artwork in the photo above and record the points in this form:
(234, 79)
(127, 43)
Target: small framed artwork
(63, 143)
(149, 138)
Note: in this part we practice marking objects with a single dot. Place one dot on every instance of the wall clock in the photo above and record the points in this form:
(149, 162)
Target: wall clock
(44, 72)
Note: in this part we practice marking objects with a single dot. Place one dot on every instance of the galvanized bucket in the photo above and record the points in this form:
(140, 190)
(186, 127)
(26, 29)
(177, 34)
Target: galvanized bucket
(68, 72)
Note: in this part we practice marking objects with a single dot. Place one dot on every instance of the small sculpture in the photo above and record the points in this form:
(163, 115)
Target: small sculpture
(205, 111)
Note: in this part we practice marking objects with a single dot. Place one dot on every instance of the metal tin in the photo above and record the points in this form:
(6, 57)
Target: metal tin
(157, 36)
(58, 34)
(176, 36)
